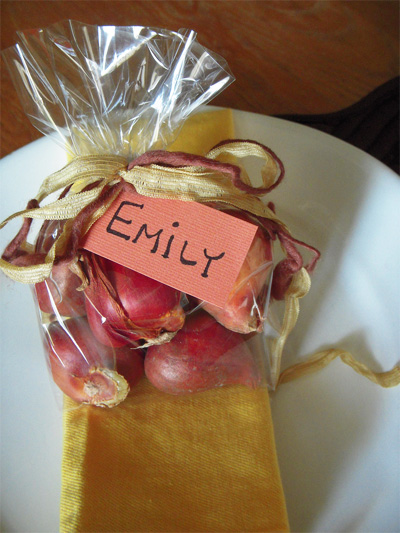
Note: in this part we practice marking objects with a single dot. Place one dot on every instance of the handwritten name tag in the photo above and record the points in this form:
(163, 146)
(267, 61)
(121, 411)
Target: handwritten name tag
(189, 246)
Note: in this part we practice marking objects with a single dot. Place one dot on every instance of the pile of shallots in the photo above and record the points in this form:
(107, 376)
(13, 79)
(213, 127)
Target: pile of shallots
(101, 340)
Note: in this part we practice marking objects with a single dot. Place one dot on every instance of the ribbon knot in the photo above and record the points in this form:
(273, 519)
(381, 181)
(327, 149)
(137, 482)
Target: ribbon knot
(90, 184)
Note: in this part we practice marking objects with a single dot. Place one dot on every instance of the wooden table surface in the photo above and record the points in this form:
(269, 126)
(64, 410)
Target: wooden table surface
(287, 56)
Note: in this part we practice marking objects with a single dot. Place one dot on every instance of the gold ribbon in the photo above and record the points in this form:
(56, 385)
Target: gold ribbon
(299, 287)
(86, 170)
(185, 183)
(320, 360)
(189, 183)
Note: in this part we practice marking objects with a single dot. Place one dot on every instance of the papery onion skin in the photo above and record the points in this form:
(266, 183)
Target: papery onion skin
(85, 370)
(147, 302)
(243, 311)
(203, 355)
(58, 293)
(123, 305)
(107, 323)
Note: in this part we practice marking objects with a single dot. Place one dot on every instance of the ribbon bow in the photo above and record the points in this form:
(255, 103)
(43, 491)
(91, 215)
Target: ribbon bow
(91, 183)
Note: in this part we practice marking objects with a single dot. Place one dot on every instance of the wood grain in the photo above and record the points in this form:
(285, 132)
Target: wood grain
(287, 56)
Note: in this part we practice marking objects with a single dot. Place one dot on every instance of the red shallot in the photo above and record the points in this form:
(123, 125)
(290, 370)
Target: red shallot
(123, 305)
(202, 355)
(244, 309)
(87, 371)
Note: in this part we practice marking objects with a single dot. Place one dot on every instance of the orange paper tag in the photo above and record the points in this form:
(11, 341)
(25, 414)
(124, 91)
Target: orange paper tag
(189, 246)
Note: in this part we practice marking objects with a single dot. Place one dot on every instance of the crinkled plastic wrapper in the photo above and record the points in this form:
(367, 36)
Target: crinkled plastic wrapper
(113, 90)
(101, 341)
(124, 91)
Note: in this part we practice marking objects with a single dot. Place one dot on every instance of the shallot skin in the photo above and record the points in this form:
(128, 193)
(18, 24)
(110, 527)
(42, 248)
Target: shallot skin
(203, 355)
(123, 305)
(85, 370)
(58, 293)
(243, 311)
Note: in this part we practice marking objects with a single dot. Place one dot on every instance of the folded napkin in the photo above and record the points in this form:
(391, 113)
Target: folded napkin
(160, 463)
(371, 124)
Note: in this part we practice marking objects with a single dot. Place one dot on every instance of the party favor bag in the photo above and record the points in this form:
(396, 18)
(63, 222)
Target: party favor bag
(148, 261)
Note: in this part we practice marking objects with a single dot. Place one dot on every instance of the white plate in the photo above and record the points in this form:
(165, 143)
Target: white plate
(337, 434)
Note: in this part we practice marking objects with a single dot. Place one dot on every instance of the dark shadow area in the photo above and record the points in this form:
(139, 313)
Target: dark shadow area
(371, 124)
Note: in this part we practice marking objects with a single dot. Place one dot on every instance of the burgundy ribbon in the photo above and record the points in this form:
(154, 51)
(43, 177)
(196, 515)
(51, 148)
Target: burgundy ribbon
(283, 271)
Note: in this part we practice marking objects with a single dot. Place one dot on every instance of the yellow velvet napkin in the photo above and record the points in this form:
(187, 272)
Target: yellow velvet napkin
(160, 463)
